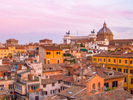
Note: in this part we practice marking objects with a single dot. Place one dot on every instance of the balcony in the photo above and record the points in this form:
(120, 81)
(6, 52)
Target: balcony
(35, 79)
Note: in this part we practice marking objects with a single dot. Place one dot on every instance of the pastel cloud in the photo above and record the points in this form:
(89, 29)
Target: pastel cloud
(50, 18)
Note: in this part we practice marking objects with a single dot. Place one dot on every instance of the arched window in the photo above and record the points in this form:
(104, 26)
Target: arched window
(99, 86)
(93, 86)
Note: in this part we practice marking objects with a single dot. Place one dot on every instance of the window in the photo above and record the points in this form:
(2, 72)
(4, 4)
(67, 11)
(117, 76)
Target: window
(44, 93)
(114, 83)
(44, 85)
(51, 91)
(108, 60)
(46, 76)
(114, 60)
(59, 81)
(119, 69)
(119, 61)
(131, 91)
(48, 53)
(131, 72)
(53, 84)
(125, 70)
(10, 86)
(131, 61)
(131, 80)
(62, 88)
(71, 51)
(48, 61)
(109, 68)
(104, 60)
(106, 84)
(99, 59)
(94, 59)
(125, 61)
(99, 86)
(58, 61)
(33, 87)
(114, 68)
(125, 88)
(58, 53)
(93, 86)
(125, 79)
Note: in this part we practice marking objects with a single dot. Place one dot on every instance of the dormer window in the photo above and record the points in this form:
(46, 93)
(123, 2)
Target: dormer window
(111, 73)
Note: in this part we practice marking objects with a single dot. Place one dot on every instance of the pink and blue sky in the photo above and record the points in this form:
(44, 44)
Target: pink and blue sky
(32, 20)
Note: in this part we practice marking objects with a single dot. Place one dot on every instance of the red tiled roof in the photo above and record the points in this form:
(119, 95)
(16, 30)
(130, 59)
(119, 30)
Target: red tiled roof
(3, 48)
(51, 48)
(47, 81)
(71, 91)
(68, 79)
(58, 77)
(118, 94)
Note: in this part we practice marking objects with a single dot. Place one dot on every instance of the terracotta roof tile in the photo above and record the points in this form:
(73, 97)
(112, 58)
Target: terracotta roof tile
(71, 91)
(58, 77)
(51, 48)
(110, 95)
(5, 68)
(47, 81)
(51, 67)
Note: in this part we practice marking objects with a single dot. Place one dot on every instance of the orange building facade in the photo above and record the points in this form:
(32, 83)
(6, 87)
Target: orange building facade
(50, 55)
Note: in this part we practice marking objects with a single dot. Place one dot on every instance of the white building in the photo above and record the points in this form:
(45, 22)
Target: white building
(71, 39)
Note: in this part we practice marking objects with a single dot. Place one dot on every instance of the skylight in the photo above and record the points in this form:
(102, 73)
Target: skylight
(70, 92)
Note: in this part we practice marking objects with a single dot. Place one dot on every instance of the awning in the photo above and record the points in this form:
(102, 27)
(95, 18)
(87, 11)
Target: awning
(33, 84)
(83, 50)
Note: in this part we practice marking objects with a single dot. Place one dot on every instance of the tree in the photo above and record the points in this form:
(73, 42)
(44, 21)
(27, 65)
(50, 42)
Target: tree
(10, 55)
(37, 48)
(74, 61)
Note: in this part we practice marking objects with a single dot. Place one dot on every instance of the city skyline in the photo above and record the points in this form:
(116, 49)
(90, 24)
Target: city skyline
(30, 21)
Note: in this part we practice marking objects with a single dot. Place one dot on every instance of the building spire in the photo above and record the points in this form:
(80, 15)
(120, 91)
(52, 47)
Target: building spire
(104, 25)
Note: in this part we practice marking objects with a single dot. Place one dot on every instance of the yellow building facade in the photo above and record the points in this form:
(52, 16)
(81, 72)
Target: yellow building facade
(119, 62)
(5, 51)
(54, 56)
(50, 55)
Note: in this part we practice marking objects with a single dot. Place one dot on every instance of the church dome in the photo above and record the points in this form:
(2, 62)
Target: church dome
(104, 30)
